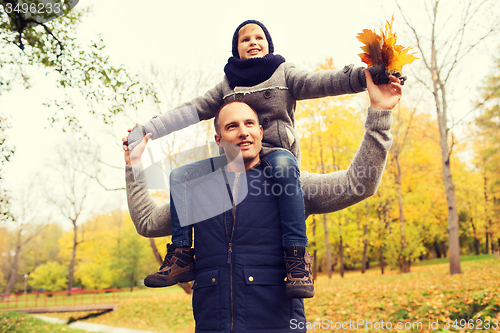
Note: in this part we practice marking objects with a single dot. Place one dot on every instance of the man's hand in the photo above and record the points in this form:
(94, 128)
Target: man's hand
(383, 96)
(134, 157)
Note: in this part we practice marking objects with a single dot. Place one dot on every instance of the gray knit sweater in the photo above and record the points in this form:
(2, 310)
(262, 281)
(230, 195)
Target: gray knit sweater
(323, 193)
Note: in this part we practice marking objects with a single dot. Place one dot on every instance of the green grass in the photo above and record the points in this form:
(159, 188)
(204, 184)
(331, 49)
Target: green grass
(468, 258)
(374, 265)
(58, 299)
(14, 322)
(427, 293)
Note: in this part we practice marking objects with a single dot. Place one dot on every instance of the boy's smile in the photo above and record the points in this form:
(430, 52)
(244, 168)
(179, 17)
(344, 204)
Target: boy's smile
(252, 42)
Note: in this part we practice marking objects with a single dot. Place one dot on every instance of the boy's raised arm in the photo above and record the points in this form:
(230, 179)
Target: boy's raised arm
(201, 108)
(306, 84)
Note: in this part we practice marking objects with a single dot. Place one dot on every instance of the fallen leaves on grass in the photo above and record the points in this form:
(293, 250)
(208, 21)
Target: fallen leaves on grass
(13, 322)
(429, 293)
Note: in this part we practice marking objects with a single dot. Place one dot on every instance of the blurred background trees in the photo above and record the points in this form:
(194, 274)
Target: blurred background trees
(405, 221)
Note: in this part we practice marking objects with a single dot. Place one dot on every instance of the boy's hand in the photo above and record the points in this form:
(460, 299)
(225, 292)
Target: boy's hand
(134, 157)
(135, 136)
(383, 96)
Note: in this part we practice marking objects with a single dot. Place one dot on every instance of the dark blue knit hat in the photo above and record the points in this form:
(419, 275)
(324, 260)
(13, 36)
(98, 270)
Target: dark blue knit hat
(235, 37)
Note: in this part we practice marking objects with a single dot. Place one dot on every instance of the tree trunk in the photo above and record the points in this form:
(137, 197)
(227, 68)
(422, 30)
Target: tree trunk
(73, 257)
(476, 239)
(438, 251)
(315, 251)
(381, 261)
(325, 226)
(453, 232)
(328, 249)
(442, 54)
(405, 268)
(439, 93)
(156, 254)
(383, 216)
(364, 265)
(487, 250)
(486, 215)
(14, 268)
(341, 251)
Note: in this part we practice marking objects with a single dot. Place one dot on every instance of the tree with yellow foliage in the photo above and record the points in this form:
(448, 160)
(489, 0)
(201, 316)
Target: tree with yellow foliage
(331, 130)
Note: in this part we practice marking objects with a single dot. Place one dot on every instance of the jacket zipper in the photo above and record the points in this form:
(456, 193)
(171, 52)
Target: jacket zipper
(230, 239)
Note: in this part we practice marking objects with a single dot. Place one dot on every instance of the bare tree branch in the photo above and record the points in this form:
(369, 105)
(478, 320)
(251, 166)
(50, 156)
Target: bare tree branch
(493, 93)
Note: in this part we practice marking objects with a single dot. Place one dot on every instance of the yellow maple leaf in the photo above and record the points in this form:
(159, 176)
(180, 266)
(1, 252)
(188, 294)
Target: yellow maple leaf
(382, 49)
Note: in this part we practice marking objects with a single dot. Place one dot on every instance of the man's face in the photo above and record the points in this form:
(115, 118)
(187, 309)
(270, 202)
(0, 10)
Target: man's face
(239, 126)
(252, 42)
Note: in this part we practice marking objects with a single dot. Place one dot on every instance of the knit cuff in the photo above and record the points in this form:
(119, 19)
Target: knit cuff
(362, 77)
(377, 120)
(358, 79)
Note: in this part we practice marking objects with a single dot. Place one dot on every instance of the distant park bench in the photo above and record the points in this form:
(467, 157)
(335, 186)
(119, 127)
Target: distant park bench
(61, 301)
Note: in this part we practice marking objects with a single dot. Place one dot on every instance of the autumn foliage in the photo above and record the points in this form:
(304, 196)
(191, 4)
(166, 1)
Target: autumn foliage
(383, 50)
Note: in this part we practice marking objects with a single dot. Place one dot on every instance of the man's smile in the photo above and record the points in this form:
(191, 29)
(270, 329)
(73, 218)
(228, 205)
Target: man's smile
(244, 144)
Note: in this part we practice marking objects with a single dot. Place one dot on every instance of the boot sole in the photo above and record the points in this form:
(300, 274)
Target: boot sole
(156, 280)
(294, 292)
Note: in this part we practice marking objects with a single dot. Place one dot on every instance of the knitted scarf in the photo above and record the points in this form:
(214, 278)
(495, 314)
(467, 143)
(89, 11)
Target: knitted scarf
(250, 72)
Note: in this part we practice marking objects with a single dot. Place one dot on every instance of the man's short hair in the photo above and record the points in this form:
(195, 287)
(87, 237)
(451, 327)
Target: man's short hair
(216, 118)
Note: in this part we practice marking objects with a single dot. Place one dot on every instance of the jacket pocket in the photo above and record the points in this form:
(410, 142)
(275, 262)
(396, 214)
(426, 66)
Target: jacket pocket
(267, 307)
(206, 300)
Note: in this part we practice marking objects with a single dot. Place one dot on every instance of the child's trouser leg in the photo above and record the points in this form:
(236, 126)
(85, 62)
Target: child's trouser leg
(182, 181)
(286, 174)
(179, 263)
(181, 236)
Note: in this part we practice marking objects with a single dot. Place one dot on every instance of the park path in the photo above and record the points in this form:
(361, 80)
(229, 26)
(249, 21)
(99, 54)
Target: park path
(91, 327)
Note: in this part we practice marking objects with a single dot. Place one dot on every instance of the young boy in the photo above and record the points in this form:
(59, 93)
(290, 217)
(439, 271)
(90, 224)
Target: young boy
(271, 86)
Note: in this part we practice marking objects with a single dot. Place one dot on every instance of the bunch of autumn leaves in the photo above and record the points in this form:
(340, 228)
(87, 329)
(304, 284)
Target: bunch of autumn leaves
(381, 50)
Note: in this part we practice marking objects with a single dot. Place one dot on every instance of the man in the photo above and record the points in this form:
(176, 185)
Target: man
(240, 269)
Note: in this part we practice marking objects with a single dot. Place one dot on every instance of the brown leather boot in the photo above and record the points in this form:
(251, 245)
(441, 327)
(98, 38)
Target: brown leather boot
(178, 266)
(299, 281)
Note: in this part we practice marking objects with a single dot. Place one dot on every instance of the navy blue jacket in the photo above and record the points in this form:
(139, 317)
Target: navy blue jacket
(240, 267)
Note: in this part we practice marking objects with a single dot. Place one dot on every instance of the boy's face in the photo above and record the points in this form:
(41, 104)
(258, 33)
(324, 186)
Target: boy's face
(239, 126)
(252, 42)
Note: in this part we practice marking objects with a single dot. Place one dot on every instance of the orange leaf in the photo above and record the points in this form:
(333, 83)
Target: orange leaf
(373, 42)
(382, 49)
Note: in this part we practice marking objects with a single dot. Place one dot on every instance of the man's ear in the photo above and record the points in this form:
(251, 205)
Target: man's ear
(261, 132)
(217, 140)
